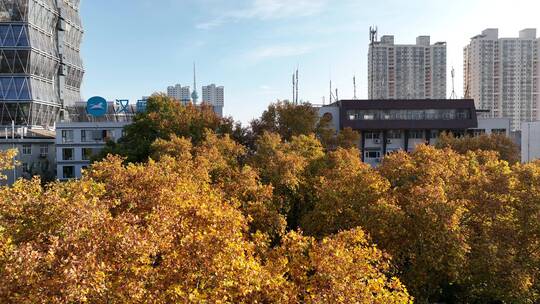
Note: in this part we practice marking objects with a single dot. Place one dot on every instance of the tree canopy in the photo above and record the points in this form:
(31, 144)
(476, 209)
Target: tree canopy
(499, 143)
(201, 212)
(6, 161)
(162, 118)
(286, 119)
(169, 231)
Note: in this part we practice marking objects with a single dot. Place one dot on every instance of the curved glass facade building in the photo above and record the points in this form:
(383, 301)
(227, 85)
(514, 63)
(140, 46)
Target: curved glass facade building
(41, 68)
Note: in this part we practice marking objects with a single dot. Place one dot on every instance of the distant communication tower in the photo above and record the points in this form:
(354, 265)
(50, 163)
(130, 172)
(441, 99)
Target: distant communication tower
(454, 95)
(295, 82)
(333, 97)
(354, 85)
(194, 94)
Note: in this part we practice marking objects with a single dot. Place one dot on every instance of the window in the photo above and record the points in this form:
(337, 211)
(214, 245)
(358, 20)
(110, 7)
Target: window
(26, 149)
(373, 135)
(401, 114)
(478, 132)
(68, 172)
(499, 131)
(415, 134)
(25, 168)
(394, 134)
(84, 136)
(392, 151)
(87, 153)
(44, 150)
(67, 154)
(101, 135)
(372, 154)
(67, 136)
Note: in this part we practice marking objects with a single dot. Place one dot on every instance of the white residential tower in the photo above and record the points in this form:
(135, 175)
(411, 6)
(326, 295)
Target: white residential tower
(502, 75)
(416, 71)
(179, 93)
(214, 96)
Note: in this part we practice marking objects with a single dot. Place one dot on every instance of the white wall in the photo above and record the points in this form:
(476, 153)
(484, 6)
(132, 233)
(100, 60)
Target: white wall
(530, 141)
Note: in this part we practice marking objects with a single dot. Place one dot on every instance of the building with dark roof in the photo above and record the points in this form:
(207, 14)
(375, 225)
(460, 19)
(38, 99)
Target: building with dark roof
(386, 126)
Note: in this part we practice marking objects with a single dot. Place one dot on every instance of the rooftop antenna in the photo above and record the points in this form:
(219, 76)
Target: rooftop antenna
(337, 96)
(296, 101)
(354, 84)
(330, 97)
(293, 88)
(454, 95)
(373, 30)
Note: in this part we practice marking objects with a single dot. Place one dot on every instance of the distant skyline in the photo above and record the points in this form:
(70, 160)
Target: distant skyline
(134, 48)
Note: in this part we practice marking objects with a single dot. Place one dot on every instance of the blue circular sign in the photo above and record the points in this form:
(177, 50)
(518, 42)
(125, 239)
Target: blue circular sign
(96, 106)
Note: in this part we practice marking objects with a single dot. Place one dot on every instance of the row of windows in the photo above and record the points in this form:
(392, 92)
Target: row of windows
(43, 150)
(397, 134)
(68, 154)
(88, 135)
(445, 114)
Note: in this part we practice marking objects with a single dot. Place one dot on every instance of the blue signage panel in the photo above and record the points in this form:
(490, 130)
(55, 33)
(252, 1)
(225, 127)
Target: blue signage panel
(96, 106)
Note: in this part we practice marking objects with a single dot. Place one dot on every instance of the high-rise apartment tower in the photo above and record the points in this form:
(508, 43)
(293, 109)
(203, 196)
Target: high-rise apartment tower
(397, 71)
(502, 75)
(214, 96)
(41, 68)
(180, 93)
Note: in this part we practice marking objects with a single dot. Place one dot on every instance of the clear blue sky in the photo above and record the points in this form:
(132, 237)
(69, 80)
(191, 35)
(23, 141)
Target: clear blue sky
(133, 48)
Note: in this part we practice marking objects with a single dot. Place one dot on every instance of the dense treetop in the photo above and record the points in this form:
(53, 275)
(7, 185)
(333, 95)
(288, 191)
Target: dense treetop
(288, 213)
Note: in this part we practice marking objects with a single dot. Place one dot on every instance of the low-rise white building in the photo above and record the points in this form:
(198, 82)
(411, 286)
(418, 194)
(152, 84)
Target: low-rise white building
(530, 141)
(492, 126)
(82, 136)
(36, 154)
(78, 142)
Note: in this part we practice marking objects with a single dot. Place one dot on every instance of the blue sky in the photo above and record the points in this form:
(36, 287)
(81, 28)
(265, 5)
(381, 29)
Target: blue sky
(133, 48)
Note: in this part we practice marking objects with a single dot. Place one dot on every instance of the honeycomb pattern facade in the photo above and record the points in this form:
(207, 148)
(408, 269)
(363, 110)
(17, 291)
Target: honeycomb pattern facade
(41, 69)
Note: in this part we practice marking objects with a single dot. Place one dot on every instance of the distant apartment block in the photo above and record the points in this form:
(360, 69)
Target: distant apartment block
(502, 75)
(397, 71)
(180, 93)
(214, 96)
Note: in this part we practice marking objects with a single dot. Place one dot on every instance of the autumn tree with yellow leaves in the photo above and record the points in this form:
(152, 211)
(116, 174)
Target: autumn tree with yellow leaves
(172, 231)
(204, 217)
